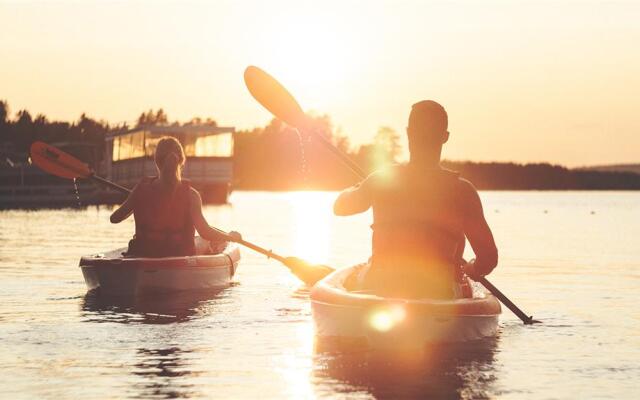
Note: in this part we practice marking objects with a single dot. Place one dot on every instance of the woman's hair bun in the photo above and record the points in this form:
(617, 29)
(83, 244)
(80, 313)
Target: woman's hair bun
(169, 155)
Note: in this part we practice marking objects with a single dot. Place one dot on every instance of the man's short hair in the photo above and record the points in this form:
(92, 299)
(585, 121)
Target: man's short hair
(428, 115)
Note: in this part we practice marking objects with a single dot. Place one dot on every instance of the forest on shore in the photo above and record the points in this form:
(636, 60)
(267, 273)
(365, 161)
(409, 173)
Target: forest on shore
(277, 157)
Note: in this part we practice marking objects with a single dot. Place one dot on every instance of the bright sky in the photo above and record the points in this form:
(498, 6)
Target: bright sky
(522, 81)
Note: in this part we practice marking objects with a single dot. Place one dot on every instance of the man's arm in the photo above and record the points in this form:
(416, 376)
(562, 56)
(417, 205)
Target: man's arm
(354, 200)
(479, 234)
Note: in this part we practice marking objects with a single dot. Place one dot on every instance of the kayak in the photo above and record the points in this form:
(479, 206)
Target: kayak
(362, 317)
(115, 274)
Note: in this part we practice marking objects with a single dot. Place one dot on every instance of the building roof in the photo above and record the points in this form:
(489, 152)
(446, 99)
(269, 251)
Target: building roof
(199, 130)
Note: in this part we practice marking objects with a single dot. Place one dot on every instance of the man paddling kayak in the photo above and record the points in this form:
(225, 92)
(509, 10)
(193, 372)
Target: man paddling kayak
(421, 216)
(167, 210)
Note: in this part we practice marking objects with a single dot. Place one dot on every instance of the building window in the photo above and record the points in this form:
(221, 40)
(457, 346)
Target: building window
(214, 146)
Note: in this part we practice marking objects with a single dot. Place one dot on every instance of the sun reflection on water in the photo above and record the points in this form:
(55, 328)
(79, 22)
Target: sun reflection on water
(296, 364)
(312, 225)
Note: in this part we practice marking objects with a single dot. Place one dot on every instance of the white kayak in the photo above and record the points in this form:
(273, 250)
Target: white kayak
(379, 322)
(116, 274)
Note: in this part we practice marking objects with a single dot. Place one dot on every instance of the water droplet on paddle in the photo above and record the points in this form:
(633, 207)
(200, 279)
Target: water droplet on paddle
(75, 187)
(303, 159)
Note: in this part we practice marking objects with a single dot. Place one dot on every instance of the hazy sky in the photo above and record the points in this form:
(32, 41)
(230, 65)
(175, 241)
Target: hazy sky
(522, 81)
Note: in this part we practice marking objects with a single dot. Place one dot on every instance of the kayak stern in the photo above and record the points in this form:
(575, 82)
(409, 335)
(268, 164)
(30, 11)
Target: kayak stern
(398, 323)
(114, 274)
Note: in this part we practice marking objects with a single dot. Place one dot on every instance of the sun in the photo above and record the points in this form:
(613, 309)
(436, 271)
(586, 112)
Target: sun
(312, 60)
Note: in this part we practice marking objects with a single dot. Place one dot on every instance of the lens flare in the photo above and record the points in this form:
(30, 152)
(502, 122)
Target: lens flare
(386, 319)
(381, 321)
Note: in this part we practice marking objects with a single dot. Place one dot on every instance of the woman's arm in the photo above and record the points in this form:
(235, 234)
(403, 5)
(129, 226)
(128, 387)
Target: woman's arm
(201, 224)
(126, 209)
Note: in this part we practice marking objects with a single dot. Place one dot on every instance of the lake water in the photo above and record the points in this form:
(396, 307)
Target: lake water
(572, 259)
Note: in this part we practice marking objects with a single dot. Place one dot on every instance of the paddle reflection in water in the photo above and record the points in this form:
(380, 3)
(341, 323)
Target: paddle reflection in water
(451, 371)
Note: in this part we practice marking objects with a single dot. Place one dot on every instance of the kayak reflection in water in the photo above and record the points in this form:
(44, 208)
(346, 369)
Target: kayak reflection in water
(167, 210)
(421, 216)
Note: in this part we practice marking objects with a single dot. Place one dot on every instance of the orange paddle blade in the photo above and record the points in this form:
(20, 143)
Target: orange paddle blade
(57, 162)
(274, 97)
(306, 272)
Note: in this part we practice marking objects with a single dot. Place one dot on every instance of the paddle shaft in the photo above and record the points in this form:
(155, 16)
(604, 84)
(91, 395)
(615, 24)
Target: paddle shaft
(505, 300)
(261, 250)
(355, 168)
(112, 185)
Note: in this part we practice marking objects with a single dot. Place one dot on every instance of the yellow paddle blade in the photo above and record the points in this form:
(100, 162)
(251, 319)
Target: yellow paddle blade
(56, 162)
(308, 273)
(274, 97)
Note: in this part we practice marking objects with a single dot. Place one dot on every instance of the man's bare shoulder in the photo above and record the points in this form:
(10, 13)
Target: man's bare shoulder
(468, 191)
(466, 184)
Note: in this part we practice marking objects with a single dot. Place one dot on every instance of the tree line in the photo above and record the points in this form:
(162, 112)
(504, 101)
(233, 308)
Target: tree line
(277, 157)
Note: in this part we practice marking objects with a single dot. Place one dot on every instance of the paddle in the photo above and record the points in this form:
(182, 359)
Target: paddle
(279, 102)
(276, 99)
(528, 320)
(56, 162)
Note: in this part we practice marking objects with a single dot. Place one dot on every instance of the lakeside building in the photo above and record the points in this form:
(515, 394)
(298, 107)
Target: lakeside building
(127, 156)
(209, 151)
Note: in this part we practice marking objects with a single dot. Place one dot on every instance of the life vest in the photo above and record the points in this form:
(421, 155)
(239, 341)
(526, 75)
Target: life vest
(164, 227)
(418, 236)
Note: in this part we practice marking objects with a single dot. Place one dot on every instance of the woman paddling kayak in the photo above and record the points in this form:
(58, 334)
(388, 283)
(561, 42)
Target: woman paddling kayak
(167, 210)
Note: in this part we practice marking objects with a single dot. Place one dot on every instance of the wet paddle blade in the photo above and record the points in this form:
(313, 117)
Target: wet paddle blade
(274, 97)
(308, 273)
(56, 162)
